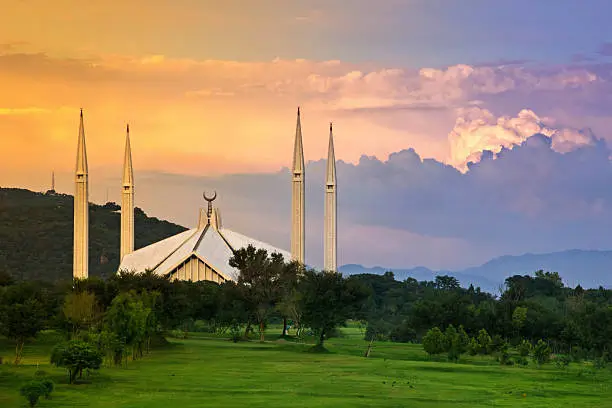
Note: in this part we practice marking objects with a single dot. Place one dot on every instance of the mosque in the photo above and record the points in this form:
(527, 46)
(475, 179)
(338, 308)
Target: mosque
(201, 253)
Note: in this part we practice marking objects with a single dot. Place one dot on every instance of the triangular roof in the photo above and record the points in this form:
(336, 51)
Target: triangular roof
(212, 246)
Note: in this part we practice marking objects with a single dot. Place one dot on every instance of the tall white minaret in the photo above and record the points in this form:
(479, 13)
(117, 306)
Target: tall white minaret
(330, 228)
(81, 210)
(127, 200)
(297, 199)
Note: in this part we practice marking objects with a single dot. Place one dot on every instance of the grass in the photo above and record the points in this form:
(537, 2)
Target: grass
(206, 370)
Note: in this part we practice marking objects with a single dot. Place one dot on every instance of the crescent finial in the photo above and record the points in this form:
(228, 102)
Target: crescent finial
(211, 199)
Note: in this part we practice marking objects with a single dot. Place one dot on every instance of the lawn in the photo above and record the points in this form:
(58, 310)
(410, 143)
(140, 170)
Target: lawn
(207, 371)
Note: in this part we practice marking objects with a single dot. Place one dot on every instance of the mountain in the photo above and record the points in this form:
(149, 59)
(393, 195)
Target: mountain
(422, 273)
(36, 235)
(589, 268)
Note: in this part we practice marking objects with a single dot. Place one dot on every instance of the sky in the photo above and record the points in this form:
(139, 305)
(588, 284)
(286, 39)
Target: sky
(463, 130)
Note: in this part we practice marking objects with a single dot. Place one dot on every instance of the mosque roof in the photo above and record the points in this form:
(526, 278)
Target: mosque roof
(213, 245)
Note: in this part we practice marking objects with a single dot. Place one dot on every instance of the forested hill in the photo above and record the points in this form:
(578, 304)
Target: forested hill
(36, 235)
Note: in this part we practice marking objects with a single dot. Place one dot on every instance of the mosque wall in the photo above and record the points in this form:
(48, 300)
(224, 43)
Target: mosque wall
(193, 269)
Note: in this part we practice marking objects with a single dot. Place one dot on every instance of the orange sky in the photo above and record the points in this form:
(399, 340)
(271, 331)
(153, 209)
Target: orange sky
(157, 67)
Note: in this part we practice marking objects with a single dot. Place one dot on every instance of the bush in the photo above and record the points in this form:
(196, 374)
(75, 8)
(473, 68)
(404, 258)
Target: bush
(473, 347)
(599, 363)
(76, 356)
(484, 342)
(520, 360)
(541, 353)
(403, 334)
(524, 348)
(496, 344)
(49, 387)
(433, 342)
(32, 391)
(504, 354)
(562, 360)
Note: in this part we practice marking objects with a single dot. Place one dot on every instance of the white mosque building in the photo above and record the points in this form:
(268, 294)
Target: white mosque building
(201, 253)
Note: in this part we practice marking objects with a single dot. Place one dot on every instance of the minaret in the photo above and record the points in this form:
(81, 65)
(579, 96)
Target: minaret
(81, 210)
(53, 181)
(297, 200)
(127, 200)
(330, 228)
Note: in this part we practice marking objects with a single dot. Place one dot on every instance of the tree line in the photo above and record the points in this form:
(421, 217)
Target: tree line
(119, 319)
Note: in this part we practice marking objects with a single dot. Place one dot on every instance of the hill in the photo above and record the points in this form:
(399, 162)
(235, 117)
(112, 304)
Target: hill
(36, 234)
(590, 269)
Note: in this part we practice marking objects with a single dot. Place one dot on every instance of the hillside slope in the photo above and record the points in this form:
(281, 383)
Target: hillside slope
(36, 235)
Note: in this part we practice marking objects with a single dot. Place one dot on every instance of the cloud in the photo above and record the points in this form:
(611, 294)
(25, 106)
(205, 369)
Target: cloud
(22, 111)
(477, 130)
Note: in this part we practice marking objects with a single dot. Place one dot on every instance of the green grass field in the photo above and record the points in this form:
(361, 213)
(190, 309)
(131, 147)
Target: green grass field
(204, 371)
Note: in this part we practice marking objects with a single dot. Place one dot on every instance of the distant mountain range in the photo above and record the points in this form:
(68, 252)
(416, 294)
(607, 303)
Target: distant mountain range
(590, 269)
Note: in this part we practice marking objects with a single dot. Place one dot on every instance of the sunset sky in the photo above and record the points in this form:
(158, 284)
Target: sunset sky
(416, 89)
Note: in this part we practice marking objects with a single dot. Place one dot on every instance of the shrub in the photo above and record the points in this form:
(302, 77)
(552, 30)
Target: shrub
(520, 360)
(473, 347)
(496, 343)
(562, 360)
(32, 391)
(524, 348)
(49, 387)
(433, 342)
(484, 342)
(599, 363)
(541, 353)
(504, 354)
(403, 334)
(76, 356)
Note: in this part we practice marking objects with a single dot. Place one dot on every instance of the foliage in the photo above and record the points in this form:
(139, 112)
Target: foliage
(260, 281)
(524, 348)
(76, 356)
(32, 391)
(484, 342)
(541, 353)
(24, 311)
(80, 309)
(434, 342)
(562, 360)
(36, 234)
(328, 300)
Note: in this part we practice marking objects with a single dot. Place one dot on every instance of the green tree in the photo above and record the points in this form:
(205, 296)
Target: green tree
(484, 342)
(541, 353)
(23, 313)
(328, 300)
(81, 310)
(260, 280)
(76, 356)
(434, 342)
(518, 319)
(32, 391)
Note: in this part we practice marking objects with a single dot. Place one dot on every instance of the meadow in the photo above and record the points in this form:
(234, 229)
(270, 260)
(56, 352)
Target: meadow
(205, 370)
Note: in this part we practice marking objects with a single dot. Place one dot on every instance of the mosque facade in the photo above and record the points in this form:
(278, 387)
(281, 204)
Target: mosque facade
(201, 253)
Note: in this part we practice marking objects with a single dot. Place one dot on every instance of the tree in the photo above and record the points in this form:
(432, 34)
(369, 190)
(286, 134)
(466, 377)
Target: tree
(541, 352)
(32, 391)
(289, 296)
(434, 342)
(80, 309)
(328, 300)
(260, 278)
(76, 356)
(484, 341)
(23, 313)
(518, 319)
(127, 319)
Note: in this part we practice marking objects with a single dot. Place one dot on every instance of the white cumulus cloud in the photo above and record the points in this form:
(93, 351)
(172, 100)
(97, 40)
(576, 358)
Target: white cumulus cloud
(477, 130)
